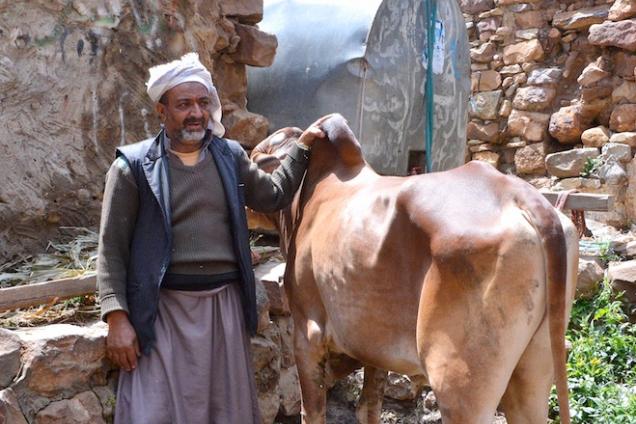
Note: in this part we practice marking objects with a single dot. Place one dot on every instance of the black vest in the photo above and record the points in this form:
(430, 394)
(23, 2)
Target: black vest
(152, 238)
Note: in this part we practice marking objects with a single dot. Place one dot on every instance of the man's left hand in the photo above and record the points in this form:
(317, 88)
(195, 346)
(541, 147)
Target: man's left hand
(312, 133)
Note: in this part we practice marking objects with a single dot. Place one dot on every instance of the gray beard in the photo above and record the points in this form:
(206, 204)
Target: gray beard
(192, 137)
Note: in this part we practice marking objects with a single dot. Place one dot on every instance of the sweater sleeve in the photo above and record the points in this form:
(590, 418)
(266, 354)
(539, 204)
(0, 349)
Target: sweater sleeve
(119, 213)
(270, 192)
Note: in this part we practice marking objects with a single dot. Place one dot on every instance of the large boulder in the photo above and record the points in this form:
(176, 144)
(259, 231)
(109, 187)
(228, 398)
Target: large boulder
(623, 118)
(623, 278)
(628, 138)
(567, 125)
(60, 361)
(473, 7)
(530, 160)
(492, 158)
(247, 127)
(285, 326)
(625, 93)
(483, 53)
(580, 18)
(84, 408)
(592, 74)
(526, 51)
(255, 48)
(615, 34)
(616, 152)
(289, 384)
(485, 105)
(542, 76)
(270, 275)
(9, 357)
(595, 137)
(106, 395)
(612, 173)
(10, 412)
(624, 64)
(532, 126)
(246, 11)
(534, 98)
(590, 274)
(484, 132)
(265, 349)
(262, 307)
(531, 19)
(622, 9)
(569, 163)
(485, 80)
(489, 25)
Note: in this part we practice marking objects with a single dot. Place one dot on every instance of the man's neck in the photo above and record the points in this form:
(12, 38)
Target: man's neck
(184, 147)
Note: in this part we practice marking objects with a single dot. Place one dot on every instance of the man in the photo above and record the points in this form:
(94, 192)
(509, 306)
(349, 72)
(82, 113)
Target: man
(174, 266)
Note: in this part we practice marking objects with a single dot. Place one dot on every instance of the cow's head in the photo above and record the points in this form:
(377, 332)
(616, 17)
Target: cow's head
(338, 152)
(267, 155)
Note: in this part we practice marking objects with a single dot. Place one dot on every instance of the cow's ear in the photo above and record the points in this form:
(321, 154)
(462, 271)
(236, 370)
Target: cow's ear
(267, 163)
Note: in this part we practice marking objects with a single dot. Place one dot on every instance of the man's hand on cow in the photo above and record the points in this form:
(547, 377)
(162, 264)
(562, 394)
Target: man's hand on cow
(312, 133)
(122, 346)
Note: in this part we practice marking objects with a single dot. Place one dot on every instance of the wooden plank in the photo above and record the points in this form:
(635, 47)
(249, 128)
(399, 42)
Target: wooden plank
(42, 293)
(583, 201)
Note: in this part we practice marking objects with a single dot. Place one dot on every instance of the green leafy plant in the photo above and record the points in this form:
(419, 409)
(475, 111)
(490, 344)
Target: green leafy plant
(591, 165)
(607, 254)
(601, 363)
(75, 301)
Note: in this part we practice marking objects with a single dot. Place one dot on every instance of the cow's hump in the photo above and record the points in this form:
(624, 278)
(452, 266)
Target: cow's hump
(342, 138)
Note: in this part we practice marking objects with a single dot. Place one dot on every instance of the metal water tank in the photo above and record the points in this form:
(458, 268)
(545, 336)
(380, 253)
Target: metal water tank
(368, 61)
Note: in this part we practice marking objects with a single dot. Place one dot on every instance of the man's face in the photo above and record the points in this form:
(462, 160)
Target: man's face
(186, 112)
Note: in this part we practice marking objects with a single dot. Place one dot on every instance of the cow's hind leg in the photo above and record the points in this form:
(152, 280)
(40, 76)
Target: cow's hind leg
(311, 363)
(526, 398)
(473, 328)
(464, 395)
(370, 403)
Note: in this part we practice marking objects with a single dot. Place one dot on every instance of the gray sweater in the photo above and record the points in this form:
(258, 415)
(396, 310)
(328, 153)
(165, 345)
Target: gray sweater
(197, 203)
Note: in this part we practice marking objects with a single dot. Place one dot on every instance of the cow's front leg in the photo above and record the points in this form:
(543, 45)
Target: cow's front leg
(310, 360)
(370, 403)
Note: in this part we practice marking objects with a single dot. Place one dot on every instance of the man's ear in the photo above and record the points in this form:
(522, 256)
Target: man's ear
(160, 108)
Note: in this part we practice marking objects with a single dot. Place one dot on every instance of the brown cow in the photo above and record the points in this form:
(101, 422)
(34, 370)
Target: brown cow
(465, 276)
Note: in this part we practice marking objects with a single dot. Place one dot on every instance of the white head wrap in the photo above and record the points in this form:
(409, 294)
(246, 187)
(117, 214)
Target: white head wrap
(187, 69)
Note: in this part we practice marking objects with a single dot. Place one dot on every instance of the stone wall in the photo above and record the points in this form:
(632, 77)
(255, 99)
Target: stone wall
(554, 93)
(72, 76)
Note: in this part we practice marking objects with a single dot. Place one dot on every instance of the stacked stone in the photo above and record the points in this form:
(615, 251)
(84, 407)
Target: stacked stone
(272, 349)
(549, 76)
(55, 374)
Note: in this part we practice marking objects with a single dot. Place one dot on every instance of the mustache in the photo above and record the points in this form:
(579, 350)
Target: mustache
(193, 121)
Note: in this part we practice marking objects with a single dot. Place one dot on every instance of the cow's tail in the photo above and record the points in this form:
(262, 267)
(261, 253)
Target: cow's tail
(548, 225)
